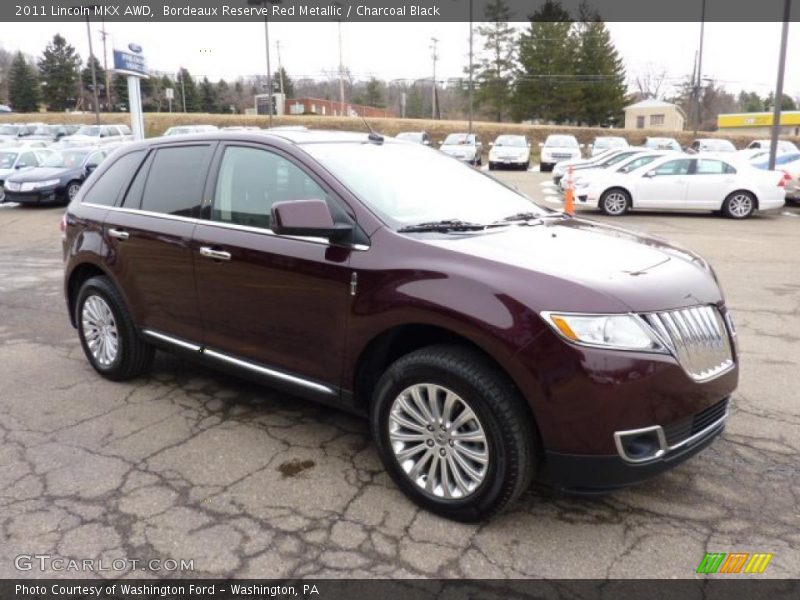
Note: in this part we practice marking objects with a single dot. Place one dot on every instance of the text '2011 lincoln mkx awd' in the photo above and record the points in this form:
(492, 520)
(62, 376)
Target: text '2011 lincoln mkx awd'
(488, 340)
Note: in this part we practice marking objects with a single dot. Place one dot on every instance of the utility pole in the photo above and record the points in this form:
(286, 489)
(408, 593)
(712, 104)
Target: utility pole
(776, 109)
(94, 74)
(104, 35)
(341, 71)
(699, 80)
(471, 88)
(183, 89)
(280, 67)
(433, 87)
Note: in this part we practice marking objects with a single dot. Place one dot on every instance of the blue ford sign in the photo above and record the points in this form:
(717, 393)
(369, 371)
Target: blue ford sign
(129, 63)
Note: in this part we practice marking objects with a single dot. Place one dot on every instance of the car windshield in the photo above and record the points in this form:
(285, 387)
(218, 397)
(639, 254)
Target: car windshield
(9, 129)
(65, 159)
(719, 145)
(561, 141)
(441, 188)
(457, 138)
(517, 141)
(636, 162)
(609, 142)
(7, 159)
(662, 143)
(91, 130)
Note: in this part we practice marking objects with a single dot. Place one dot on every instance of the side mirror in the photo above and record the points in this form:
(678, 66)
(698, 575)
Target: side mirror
(307, 218)
(89, 168)
(650, 174)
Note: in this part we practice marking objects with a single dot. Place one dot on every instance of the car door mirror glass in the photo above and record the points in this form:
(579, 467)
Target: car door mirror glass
(650, 174)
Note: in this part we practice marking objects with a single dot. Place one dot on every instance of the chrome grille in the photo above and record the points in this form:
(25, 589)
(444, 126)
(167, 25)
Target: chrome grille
(697, 337)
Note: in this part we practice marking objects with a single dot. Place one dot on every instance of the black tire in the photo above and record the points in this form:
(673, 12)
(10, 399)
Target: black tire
(736, 205)
(133, 355)
(502, 413)
(526, 166)
(615, 202)
(70, 190)
(545, 168)
(492, 166)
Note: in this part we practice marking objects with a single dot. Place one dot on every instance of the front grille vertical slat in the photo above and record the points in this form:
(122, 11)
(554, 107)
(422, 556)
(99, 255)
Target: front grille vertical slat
(697, 337)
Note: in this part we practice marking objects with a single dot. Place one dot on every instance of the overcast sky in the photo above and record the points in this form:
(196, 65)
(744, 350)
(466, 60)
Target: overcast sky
(738, 55)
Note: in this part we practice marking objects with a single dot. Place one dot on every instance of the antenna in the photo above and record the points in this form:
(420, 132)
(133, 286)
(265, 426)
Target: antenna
(372, 137)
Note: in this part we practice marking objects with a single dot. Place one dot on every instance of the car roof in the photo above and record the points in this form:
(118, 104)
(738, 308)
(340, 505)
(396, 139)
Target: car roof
(291, 136)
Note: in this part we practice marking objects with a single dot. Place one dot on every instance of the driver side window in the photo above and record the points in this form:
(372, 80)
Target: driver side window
(674, 167)
(251, 180)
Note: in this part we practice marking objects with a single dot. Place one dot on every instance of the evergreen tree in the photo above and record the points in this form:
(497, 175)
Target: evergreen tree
(288, 84)
(415, 105)
(208, 97)
(23, 87)
(86, 76)
(750, 102)
(601, 75)
(59, 70)
(786, 104)
(186, 87)
(373, 94)
(119, 92)
(494, 68)
(545, 82)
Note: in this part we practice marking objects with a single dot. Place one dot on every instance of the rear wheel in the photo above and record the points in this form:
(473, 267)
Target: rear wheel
(739, 205)
(453, 432)
(615, 202)
(108, 336)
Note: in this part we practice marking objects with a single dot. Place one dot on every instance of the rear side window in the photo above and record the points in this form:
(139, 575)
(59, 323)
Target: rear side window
(176, 179)
(713, 167)
(108, 186)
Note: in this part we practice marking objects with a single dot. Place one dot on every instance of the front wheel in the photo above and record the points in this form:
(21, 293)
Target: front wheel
(108, 336)
(615, 202)
(453, 432)
(72, 189)
(739, 205)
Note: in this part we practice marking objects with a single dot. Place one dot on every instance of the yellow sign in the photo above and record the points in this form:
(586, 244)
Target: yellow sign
(756, 119)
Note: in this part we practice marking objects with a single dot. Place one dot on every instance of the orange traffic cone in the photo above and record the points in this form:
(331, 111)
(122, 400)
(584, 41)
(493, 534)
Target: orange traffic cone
(569, 195)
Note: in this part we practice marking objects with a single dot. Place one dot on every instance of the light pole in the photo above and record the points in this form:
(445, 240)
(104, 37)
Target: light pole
(697, 86)
(434, 41)
(266, 4)
(280, 67)
(776, 109)
(471, 88)
(94, 74)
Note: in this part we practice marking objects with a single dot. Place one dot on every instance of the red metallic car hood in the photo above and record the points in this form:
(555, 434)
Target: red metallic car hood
(642, 273)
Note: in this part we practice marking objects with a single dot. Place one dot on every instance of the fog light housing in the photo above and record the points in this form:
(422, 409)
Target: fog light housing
(641, 445)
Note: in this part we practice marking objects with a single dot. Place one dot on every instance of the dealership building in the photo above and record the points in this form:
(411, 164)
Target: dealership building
(759, 123)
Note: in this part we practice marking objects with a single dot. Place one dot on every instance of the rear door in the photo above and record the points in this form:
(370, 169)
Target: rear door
(664, 186)
(279, 302)
(150, 234)
(710, 184)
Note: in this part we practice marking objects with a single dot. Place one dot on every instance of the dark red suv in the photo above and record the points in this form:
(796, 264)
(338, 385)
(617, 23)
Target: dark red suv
(489, 340)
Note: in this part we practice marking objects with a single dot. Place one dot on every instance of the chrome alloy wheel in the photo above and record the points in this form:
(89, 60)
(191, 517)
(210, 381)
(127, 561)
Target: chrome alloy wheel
(438, 441)
(72, 190)
(100, 330)
(740, 205)
(615, 203)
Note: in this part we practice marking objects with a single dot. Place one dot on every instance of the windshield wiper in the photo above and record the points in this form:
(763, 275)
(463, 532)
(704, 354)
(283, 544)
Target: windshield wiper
(520, 216)
(443, 225)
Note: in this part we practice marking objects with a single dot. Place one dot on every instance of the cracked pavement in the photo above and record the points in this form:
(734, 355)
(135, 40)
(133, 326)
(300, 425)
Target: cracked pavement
(188, 463)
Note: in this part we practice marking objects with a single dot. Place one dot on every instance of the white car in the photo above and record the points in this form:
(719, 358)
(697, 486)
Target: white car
(13, 160)
(712, 145)
(95, 135)
(662, 143)
(463, 146)
(510, 151)
(557, 148)
(783, 146)
(188, 129)
(606, 142)
(678, 182)
(628, 163)
(601, 161)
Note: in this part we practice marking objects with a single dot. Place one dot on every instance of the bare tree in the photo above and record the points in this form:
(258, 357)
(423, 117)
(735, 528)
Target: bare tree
(651, 83)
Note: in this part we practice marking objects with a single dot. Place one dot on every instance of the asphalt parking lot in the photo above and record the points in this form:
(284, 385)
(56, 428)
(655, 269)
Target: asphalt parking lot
(191, 464)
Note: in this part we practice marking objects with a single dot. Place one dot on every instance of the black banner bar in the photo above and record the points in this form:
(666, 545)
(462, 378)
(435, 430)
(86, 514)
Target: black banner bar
(739, 587)
(386, 10)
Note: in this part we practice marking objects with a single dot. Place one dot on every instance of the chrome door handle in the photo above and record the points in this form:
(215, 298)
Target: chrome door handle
(119, 234)
(215, 254)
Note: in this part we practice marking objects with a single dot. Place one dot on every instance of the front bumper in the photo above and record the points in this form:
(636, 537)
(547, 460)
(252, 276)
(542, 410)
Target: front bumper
(597, 474)
(46, 196)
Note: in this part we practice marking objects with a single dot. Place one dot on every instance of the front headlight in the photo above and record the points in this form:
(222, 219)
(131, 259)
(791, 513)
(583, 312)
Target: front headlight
(37, 185)
(621, 332)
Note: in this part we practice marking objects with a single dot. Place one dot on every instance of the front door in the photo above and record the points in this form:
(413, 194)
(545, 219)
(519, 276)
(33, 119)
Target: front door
(664, 186)
(274, 301)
